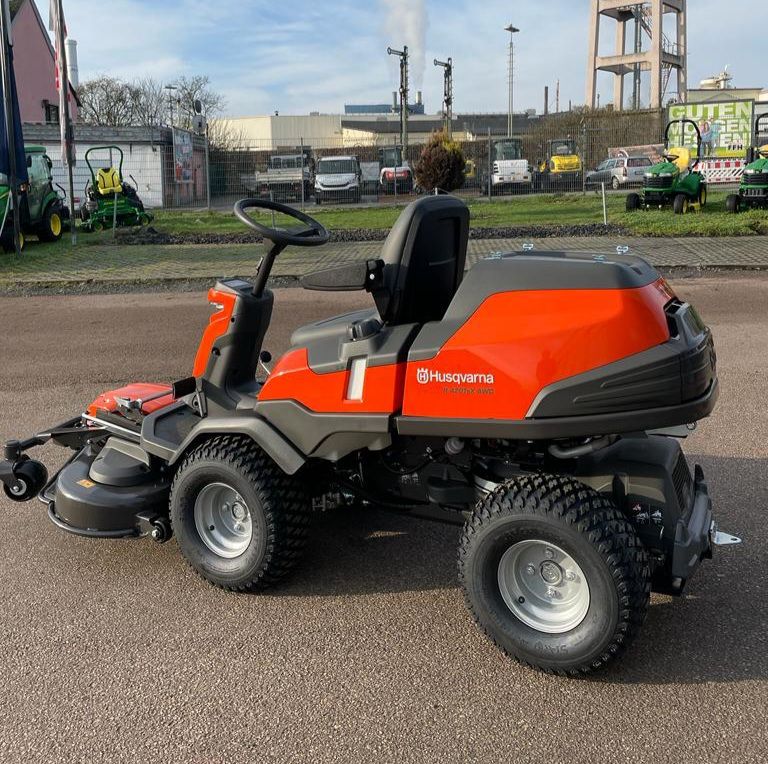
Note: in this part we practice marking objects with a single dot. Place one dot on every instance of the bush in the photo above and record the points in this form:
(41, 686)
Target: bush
(440, 164)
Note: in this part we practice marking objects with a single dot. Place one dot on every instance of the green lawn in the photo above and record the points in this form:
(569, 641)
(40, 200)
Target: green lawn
(512, 211)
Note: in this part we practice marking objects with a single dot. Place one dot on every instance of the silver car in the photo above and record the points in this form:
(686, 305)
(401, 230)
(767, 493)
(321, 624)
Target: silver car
(619, 172)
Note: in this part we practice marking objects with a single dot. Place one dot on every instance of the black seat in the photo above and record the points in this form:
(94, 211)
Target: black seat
(424, 257)
(421, 265)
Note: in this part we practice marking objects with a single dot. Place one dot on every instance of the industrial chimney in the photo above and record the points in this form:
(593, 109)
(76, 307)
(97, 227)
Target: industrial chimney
(71, 46)
(418, 97)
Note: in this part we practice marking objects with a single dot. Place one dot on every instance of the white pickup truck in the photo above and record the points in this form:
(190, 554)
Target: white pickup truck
(283, 179)
(509, 169)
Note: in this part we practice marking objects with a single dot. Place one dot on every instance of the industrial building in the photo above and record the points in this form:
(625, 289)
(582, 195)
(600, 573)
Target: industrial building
(271, 132)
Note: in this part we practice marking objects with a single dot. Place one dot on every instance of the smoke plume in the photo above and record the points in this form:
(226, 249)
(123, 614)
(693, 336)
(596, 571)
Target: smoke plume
(405, 23)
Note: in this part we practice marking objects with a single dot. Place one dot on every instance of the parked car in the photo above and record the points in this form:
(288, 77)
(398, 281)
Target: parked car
(338, 179)
(619, 172)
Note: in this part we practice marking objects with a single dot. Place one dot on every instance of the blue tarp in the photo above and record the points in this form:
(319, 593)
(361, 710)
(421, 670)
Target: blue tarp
(21, 162)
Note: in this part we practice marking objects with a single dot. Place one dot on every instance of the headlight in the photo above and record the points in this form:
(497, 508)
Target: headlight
(648, 174)
(665, 174)
(750, 171)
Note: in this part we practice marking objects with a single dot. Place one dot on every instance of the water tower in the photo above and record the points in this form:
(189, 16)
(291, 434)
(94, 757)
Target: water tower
(648, 49)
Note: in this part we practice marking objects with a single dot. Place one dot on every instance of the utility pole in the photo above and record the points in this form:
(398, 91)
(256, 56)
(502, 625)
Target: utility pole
(403, 55)
(511, 76)
(447, 94)
(10, 126)
(67, 131)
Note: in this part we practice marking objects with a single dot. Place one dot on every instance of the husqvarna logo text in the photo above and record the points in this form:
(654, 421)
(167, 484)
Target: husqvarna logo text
(425, 376)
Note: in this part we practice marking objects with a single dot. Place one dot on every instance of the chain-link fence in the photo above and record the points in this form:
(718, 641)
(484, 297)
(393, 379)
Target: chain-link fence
(568, 152)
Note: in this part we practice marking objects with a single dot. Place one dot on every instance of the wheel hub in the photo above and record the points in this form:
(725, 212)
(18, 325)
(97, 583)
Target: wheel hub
(551, 572)
(222, 520)
(543, 586)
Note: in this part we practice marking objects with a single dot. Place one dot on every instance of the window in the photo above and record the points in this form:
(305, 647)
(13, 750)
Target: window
(51, 113)
(639, 162)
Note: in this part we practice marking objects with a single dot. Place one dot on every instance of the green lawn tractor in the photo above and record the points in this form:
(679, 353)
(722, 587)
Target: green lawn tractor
(674, 182)
(753, 190)
(41, 207)
(108, 198)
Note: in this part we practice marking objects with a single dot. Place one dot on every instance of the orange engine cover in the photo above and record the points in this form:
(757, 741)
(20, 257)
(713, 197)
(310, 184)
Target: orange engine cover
(517, 343)
(106, 401)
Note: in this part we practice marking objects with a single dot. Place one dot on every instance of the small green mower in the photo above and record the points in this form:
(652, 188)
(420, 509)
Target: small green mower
(753, 190)
(106, 190)
(43, 213)
(674, 182)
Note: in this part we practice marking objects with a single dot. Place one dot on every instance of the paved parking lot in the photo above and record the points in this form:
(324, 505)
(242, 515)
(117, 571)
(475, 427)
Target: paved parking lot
(114, 651)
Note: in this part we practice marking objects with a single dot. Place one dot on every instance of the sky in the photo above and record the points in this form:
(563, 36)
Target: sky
(306, 55)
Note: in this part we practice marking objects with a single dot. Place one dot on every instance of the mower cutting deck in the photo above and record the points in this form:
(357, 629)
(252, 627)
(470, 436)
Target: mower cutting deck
(538, 400)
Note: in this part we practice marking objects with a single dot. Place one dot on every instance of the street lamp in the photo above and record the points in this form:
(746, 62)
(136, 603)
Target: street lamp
(512, 31)
(170, 89)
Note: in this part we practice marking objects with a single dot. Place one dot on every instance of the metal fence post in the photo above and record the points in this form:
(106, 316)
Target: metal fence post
(490, 166)
(301, 146)
(207, 170)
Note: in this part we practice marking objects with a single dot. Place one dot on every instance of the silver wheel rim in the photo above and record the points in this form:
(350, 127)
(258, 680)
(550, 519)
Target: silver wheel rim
(543, 586)
(223, 520)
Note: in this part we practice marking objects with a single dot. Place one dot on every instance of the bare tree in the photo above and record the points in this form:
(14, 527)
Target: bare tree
(191, 89)
(150, 106)
(106, 101)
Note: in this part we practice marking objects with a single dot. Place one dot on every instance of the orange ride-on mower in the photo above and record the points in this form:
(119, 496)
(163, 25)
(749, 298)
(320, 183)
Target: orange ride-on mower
(539, 400)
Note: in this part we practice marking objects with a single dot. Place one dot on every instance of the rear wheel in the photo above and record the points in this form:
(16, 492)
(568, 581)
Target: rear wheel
(732, 203)
(681, 204)
(702, 195)
(633, 202)
(240, 521)
(554, 574)
(51, 226)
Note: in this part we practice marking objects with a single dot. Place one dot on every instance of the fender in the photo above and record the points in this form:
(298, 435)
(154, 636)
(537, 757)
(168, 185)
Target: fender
(281, 450)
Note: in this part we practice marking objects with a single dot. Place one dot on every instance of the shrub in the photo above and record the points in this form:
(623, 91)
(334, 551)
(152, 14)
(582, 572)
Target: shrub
(440, 164)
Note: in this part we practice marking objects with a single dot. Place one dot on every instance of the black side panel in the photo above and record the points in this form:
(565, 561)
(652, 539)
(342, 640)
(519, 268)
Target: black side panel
(549, 428)
(384, 346)
(337, 328)
(329, 436)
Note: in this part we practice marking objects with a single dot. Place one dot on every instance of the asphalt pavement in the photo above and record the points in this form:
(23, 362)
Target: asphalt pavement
(114, 651)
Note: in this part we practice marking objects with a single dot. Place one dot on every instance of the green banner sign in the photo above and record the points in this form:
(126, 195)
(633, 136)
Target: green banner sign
(726, 128)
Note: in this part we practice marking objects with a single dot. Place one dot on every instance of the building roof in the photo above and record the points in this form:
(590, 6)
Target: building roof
(16, 6)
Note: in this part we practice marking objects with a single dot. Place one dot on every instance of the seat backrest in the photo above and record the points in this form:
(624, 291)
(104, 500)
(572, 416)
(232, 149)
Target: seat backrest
(682, 157)
(424, 257)
(108, 181)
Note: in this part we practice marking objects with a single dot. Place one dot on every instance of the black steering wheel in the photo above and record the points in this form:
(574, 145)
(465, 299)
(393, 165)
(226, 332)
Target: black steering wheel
(312, 235)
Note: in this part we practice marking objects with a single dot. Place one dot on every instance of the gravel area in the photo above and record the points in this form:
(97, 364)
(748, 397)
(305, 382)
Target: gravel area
(151, 235)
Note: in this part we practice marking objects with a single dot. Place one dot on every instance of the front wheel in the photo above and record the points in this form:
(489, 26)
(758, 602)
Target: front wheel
(615, 183)
(554, 574)
(732, 203)
(680, 205)
(702, 196)
(633, 202)
(240, 522)
(51, 226)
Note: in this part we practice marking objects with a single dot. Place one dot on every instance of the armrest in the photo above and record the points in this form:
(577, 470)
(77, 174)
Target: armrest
(346, 278)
